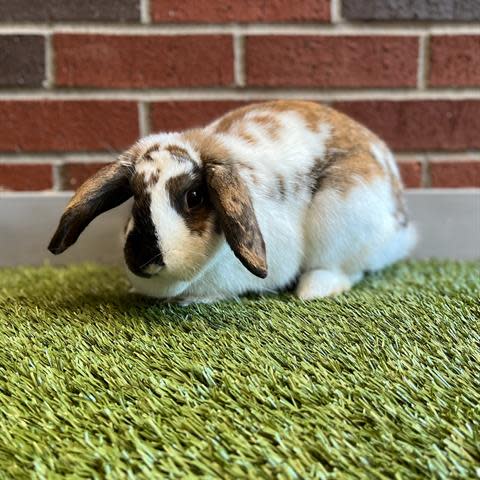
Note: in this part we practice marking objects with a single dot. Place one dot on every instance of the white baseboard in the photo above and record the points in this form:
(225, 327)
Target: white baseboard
(448, 222)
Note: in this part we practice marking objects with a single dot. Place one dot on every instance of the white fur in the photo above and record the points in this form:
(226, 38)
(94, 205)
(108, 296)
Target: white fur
(327, 241)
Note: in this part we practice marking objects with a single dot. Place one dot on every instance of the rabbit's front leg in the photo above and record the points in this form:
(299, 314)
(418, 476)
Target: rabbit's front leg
(324, 283)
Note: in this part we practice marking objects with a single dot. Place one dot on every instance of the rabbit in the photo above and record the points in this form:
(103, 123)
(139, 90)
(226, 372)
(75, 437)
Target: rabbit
(269, 196)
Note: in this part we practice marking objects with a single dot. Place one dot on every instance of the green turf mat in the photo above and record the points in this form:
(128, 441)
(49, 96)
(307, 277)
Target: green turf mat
(382, 382)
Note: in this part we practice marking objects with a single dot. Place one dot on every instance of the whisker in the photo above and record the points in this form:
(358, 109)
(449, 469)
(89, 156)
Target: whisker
(153, 258)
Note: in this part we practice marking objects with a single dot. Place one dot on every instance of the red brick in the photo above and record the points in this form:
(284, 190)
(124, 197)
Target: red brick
(411, 172)
(42, 126)
(131, 61)
(75, 173)
(420, 125)
(454, 173)
(455, 61)
(174, 116)
(219, 11)
(26, 176)
(331, 61)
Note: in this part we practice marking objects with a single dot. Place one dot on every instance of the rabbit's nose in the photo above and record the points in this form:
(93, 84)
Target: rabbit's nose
(154, 267)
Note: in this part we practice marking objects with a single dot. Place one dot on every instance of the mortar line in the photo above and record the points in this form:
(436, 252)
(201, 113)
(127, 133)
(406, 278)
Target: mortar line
(145, 17)
(49, 81)
(239, 59)
(228, 93)
(426, 179)
(144, 118)
(423, 62)
(60, 158)
(57, 181)
(342, 28)
(336, 12)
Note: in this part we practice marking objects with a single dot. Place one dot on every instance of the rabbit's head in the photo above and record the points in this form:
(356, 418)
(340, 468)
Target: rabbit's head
(187, 198)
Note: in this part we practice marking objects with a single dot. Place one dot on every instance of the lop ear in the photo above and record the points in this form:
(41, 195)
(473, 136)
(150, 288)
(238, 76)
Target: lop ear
(107, 189)
(233, 204)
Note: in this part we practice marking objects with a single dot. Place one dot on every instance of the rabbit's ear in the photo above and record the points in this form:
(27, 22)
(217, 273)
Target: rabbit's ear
(231, 199)
(107, 189)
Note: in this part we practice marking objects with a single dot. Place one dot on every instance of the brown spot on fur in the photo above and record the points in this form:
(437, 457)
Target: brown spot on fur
(309, 111)
(178, 152)
(245, 135)
(147, 154)
(269, 123)
(281, 185)
(153, 179)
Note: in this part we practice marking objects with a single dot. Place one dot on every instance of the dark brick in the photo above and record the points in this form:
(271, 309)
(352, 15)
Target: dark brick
(73, 174)
(22, 60)
(452, 173)
(450, 125)
(331, 61)
(218, 11)
(69, 10)
(455, 61)
(130, 61)
(26, 176)
(180, 115)
(461, 10)
(42, 126)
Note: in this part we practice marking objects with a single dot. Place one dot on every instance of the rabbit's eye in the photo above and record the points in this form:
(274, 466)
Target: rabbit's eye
(194, 198)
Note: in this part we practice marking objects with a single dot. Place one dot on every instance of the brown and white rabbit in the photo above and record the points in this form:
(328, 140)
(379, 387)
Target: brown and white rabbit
(267, 195)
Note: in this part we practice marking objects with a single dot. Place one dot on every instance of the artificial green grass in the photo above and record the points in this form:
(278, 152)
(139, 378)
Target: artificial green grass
(382, 382)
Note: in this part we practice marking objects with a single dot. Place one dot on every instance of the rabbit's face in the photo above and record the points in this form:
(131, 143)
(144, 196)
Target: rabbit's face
(185, 203)
(173, 229)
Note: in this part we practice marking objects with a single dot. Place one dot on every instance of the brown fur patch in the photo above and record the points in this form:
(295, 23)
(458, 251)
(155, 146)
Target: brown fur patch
(106, 177)
(231, 118)
(341, 170)
(348, 159)
(232, 202)
(199, 219)
(107, 189)
(210, 148)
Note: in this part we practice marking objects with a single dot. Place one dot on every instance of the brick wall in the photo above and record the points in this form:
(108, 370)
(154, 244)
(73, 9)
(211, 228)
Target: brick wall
(80, 81)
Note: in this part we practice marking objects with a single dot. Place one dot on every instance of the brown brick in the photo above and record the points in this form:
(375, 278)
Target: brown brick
(420, 125)
(26, 176)
(411, 172)
(331, 61)
(130, 61)
(452, 173)
(220, 11)
(69, 10)
(36, 126)
(75, 173)
(462, 10)
(22, 60)
(175, 116)
(455, 61)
